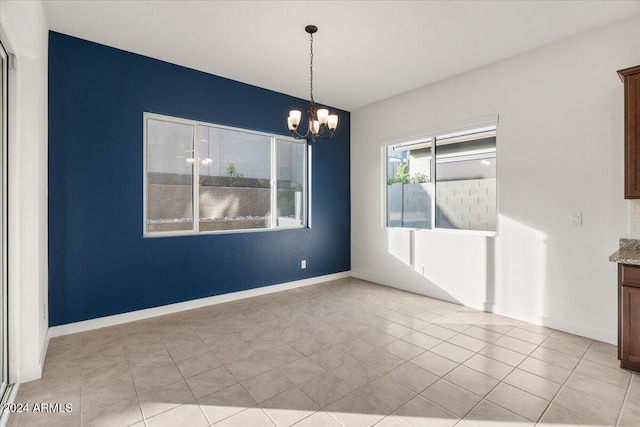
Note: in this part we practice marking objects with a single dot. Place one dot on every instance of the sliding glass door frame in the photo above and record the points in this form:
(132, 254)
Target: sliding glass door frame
(4, 116)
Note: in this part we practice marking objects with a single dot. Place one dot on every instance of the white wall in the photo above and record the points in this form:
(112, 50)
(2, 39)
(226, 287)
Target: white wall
(25, 32)
(560, 150)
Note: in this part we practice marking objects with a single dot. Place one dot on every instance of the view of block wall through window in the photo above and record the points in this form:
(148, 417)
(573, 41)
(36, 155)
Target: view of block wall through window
(464, 181)
(240, 178)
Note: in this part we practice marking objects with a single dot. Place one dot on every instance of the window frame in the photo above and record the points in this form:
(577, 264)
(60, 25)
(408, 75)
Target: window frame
(195, 182)
(430, 138)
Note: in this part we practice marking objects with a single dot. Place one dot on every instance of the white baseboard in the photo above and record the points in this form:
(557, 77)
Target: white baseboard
(87, 325)
(34, 372)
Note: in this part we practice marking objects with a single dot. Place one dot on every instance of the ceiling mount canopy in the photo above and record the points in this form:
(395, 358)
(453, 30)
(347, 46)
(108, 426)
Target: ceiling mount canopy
(322, 125)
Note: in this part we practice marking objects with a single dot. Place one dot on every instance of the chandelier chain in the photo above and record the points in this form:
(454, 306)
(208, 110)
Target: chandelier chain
(311, 68)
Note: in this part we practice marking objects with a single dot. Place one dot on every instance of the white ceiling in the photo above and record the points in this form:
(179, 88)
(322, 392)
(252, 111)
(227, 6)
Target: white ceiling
(364, 51)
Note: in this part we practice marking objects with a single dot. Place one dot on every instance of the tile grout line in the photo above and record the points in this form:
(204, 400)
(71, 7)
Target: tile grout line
(564, 384)
(624, 400)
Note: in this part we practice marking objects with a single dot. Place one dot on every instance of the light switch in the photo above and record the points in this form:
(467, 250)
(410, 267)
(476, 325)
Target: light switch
(576, 220)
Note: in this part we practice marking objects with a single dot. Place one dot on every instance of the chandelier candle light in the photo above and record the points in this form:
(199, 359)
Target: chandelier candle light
(319, 119)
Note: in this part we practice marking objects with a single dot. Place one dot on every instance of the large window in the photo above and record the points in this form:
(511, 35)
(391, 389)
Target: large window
(201, 177)
(443, 181)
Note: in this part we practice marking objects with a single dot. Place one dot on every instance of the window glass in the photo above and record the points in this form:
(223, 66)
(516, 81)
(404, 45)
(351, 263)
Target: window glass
(409, 185)
(234, 181)
(291, 181)
(466, 184)
(169, 175)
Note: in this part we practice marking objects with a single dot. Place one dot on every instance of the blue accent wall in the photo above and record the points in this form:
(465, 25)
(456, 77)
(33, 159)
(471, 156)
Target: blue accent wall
(99, 264)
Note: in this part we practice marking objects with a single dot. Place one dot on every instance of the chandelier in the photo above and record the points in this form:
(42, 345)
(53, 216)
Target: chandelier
(321, 123)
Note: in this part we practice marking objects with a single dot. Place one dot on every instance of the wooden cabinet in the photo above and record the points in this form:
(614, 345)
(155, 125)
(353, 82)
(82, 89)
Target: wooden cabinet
(631, 80)
(629, 317)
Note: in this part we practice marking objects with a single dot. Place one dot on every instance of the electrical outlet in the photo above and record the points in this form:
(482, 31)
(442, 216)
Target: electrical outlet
(303, 264)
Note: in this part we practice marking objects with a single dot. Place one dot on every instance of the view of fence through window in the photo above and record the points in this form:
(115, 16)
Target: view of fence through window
(242, 180)
(451, 185)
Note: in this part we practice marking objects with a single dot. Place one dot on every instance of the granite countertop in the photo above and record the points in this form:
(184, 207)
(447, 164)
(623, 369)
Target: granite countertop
(629, 252)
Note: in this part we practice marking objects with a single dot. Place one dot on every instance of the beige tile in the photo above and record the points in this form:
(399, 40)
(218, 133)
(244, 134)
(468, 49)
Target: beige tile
(528, 336)
(266, 385)
(97, 394)
(198, 364)
(355, 410)
(301, 370)
(451, 397)
(439, 332)
(403, 349)
(633, 396)
(93, 370)
(603, 354)
(599, 389)
(165, 398)
(591, 407)
(356, 373)
(538, 329)
(503, 355)
(243, 369)
(570, 346)
(330, 358)
(185, 415)
(545, 370)
(522, 403)
(487, 414)
(387, 394)
(377, 337)
(186, 348)
(225, 403)
(534, 384)
(391, 421)
(233, 350)
(452, 352)
(210, 381)
(629, 418)
(556, 358)
(325, 389)
(124, 412)
(105, 341)
(95, 362)
(558, 416)
(422, 340)
(144, 360)
(468, 342)
(142, 341)
(289, 407)
(319, 419)
(420, 412)
(482, 334)
(395, 329)
(489, 366)
(516, 345)
(153, 379)
(434, 363)
(412, 377)
(471, 380)
(380, 360)
(308, 344)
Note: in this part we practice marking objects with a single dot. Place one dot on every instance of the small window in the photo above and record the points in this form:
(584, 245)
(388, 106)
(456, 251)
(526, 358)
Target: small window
(239, 179)
(443, 181)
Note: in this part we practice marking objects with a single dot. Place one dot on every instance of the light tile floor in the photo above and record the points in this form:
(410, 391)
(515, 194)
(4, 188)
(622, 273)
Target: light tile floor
(346, 352)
